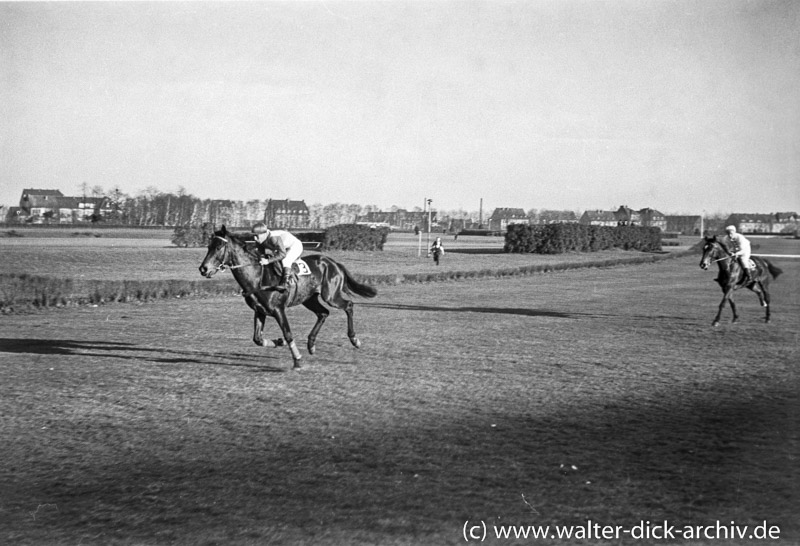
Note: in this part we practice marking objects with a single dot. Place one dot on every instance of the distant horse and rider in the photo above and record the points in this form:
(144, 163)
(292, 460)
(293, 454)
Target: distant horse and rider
(732, 275)
(323, 279)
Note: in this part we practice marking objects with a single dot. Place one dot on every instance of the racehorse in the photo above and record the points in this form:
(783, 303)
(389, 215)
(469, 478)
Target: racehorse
(732, 277)
(328, 280)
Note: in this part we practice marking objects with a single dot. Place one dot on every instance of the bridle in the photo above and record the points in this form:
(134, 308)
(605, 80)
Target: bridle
(222, 265)
(725, 257)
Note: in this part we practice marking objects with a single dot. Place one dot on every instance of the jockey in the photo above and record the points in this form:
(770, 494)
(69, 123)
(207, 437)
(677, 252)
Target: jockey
(437, 247)
(283, 246)
(741, 247)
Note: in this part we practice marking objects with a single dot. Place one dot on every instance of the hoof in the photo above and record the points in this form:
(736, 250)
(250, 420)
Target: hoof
(267, 343)
(312, 349)
(715, 323)
(297, 365)
(356, 342)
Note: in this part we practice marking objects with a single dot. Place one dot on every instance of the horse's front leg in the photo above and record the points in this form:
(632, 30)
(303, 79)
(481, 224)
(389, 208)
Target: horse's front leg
(258, 330)
(280, 316)
(259, 323)
(725, 298)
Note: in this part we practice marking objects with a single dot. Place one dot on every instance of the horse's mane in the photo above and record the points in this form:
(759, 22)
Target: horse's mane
(722, 245)
(241, 240)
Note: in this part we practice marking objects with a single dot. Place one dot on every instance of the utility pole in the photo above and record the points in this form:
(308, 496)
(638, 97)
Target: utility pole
(428, 241)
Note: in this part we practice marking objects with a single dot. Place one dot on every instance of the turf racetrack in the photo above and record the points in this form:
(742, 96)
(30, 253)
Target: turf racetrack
(598, 394)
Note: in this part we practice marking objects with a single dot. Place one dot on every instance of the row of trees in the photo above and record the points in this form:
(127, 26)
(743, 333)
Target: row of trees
(153, 207)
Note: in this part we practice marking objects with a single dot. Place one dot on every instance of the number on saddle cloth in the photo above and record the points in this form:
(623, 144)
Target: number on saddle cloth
(300, 267)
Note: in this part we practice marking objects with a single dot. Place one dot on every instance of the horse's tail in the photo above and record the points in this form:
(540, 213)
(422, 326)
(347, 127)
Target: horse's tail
(774, 270)
(352, 286)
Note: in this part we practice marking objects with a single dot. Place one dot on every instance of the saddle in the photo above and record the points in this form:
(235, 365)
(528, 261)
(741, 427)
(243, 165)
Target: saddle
(299, 268)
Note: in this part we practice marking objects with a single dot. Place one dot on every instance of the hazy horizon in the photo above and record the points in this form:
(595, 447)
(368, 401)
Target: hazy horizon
(681, 106)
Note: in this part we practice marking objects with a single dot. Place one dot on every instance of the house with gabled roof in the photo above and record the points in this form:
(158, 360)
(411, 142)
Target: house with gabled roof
(287, 213)
(39, 205)
(653, 218)
(503, 217)
(628, 217)
(599, 218)
(555, 217)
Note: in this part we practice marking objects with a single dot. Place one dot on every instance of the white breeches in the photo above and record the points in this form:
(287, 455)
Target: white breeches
(744, 260)
(292, 253)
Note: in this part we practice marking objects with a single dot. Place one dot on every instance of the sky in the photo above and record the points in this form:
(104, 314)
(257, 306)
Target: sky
(683, 106)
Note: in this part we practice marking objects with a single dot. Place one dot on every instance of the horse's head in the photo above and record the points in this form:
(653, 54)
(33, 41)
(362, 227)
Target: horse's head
(218, 255)
(713, 251)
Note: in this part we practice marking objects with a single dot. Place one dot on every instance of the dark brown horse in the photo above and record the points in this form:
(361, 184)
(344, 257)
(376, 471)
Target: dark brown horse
(732, 277)
(328, 280)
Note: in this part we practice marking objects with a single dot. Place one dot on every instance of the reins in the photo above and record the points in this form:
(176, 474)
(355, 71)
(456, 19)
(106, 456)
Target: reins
(222, 266)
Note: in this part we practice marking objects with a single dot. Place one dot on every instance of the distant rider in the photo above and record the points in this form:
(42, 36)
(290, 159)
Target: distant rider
(282, 246)
(437, 248)
(741, 247)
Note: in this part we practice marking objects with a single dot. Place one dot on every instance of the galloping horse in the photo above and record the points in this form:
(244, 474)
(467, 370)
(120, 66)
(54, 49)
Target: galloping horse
(328, 280)
(732, 277)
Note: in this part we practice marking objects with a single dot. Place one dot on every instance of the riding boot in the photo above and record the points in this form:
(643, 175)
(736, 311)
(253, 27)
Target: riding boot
(284, 284)
(750, 277)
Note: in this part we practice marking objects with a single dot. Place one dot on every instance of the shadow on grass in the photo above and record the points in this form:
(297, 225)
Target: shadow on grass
(491, 310)
(128, 351)
(519, 311)
(683, 461)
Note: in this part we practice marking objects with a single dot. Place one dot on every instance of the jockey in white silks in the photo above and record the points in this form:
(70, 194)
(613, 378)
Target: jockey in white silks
(284, 247)
(741, 248)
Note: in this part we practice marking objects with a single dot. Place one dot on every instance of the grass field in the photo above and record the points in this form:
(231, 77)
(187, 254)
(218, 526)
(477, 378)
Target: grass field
(124, 258)
(592, 394)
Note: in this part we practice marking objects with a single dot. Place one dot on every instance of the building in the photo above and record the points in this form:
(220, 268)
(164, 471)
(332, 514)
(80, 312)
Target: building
(645, 217)
(286, 213)
(763, 223)
(41, 206)
(628, 217)
(785, 222)
(599, 218)
(653, 218)
(38, 205)
(501, 218)
(555, 217)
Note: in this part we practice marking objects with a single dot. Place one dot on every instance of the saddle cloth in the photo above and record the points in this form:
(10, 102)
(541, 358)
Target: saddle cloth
(300, 267)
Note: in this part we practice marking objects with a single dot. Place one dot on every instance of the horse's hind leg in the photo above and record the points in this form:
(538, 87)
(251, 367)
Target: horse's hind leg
(763, 296)
(315, 306)
(346, 305)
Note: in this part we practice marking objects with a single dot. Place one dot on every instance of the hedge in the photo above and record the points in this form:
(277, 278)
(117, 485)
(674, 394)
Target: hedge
(354, 237)
(560, 238)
